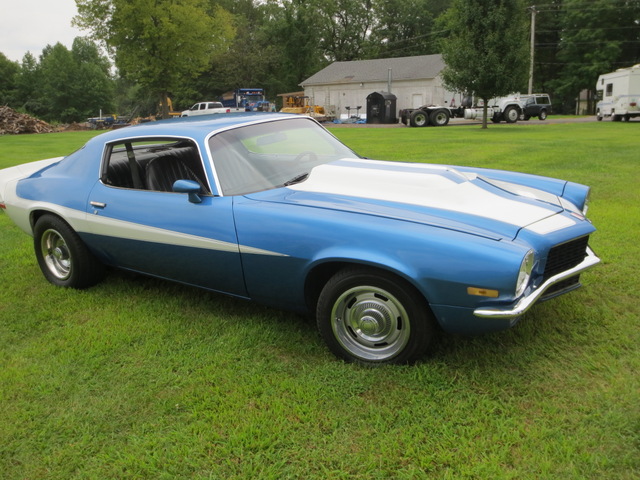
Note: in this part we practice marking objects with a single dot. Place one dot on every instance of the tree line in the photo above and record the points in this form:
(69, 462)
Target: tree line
(139, 53)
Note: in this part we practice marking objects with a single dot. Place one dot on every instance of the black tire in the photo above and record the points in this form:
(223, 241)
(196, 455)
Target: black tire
(419, 118)
(543, 115)
(598, 116)
(373, 317)
(511, 114)
(63, 258)
(439, 118)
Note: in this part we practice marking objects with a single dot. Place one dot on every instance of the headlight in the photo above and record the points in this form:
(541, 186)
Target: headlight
(525, 273)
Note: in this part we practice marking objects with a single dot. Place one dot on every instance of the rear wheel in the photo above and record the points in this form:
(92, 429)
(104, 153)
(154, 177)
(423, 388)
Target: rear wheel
(439, 118)
(419, 118)
(543, 115)
(63, 258)
(372, 317)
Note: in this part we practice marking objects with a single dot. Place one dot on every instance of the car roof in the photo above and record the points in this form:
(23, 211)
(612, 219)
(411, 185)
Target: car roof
(198, 127)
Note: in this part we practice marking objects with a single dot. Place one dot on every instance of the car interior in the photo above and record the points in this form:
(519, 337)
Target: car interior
(153, 165)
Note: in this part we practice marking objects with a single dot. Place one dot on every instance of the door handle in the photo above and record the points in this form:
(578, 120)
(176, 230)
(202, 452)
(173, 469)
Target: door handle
(97, 204)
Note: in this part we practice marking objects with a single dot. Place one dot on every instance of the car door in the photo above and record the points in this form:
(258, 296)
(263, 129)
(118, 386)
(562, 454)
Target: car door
(163, 233)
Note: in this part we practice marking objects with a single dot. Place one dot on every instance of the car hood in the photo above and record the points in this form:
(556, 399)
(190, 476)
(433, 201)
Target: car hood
(430, 194)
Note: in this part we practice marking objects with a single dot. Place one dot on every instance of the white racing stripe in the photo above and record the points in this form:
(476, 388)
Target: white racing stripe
(422, 185)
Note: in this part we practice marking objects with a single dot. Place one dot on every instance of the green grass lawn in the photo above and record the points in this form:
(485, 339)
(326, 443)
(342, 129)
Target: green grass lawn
(139, 378)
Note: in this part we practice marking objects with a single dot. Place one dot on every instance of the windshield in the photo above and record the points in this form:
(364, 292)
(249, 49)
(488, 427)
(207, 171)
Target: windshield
(271, 155)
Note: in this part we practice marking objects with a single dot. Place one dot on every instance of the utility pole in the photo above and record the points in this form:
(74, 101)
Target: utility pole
(533, 36)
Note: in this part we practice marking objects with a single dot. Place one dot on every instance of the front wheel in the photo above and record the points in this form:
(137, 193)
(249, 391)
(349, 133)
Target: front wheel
(63, 258)
(511, 115)
(372, 317)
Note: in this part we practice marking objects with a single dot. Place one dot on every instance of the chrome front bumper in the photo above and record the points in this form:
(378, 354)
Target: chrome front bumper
(525, 303)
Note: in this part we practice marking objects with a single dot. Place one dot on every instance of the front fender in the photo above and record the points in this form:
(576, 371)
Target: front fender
(440, 263)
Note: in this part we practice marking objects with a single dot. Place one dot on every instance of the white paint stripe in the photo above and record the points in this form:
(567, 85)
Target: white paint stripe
(135, 231)
(423, 187)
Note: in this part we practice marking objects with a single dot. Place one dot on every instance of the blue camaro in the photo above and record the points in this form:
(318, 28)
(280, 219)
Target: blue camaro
(273, 208)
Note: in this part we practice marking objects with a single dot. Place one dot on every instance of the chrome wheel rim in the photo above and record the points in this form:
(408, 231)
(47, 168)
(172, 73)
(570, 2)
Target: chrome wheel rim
(56, 255)
(370, 323)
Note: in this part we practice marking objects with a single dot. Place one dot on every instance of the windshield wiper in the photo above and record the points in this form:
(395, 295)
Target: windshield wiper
(296, 179)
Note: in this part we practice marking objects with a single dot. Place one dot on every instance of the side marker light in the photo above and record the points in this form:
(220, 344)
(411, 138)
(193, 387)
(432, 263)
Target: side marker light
(482, 292)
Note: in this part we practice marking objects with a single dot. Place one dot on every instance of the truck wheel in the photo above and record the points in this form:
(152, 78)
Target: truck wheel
(439, 118)
(598, 116)
(419, 118)
(543, 115)
(511, 114)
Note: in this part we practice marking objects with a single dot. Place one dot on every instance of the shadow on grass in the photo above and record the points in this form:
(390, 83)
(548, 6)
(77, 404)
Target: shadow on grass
(548, 328)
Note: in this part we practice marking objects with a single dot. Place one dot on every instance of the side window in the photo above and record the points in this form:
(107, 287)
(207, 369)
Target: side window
(203, 106)
(153, 164)
(609, 89)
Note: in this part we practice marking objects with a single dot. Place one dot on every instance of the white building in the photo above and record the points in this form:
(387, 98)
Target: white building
(415, 81)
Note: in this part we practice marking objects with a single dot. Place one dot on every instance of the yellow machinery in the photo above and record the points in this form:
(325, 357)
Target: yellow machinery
(171, 112)
(297, 102)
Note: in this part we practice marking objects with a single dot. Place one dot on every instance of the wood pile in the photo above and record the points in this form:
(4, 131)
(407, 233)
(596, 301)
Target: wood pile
(12, 122)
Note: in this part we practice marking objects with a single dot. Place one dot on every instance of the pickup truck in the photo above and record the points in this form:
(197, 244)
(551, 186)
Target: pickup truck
(207, 108)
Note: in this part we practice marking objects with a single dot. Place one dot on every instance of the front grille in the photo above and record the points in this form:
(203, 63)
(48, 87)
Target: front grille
(565, 256)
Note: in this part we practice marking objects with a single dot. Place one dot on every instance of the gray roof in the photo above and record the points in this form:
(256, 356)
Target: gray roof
(360, 71)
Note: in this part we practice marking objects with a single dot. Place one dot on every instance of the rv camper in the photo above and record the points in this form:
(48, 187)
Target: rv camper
(619, 94)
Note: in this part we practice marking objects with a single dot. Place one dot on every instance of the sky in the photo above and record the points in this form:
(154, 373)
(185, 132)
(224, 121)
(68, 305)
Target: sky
(31, 25)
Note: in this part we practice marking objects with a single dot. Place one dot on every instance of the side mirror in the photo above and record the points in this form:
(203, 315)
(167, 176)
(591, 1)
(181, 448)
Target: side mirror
(190, 187)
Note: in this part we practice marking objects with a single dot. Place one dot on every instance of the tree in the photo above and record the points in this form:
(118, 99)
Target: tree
(92, 86)
(65, 85)
(158, 43)
(596, 38)
(8, 74)
(487, 52)
(28, 83)
(404, 28)
(345, 26)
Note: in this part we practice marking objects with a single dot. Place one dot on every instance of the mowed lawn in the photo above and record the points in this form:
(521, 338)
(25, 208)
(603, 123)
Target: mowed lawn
(139, 378)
